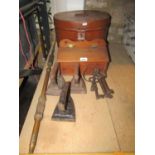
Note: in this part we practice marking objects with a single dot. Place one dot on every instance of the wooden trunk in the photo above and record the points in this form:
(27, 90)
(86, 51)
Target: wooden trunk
(89, 58)
(81, 25)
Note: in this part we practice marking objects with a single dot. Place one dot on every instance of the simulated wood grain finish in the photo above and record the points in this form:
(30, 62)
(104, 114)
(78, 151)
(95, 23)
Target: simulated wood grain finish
(81, 25)
(89, 58)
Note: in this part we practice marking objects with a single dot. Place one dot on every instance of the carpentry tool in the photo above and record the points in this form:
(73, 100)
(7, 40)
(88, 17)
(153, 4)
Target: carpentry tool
(99, 77)
(105, 88)
(77, 83)
(95, 88)
(56, 81)
(41, 103)
(65, 110)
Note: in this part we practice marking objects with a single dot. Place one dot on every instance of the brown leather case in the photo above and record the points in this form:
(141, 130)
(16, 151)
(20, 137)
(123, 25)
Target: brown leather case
(81, 25)
(89, 58)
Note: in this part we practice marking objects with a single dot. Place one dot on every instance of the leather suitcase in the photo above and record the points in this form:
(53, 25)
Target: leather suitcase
(89, 57)
(81, 25)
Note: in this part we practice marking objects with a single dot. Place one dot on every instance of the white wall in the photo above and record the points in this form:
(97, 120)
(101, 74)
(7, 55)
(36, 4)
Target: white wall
(58, 5)
(66, 5)
(75, 4)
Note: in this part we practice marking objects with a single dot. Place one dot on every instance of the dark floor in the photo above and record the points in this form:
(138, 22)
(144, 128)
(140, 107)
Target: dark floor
(26, 93)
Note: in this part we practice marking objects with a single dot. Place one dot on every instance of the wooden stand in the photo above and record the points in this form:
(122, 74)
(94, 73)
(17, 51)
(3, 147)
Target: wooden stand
(89, 54)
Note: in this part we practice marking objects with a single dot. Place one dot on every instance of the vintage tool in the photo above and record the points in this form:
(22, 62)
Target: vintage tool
(93, 54)
(105, 88)
(56, 81)
(99, 77)
(95, 88)
(81, 25)
(77, 84)
(65, 110)
(41, 103)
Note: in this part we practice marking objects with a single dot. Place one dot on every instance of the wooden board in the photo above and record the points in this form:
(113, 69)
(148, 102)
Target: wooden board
(101, 125)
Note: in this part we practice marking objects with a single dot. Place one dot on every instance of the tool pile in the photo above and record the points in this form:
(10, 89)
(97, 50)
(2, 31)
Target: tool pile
(69, 63)
(79, 54)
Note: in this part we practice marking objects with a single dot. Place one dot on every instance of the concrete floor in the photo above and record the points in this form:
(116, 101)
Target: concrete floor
(101, 126)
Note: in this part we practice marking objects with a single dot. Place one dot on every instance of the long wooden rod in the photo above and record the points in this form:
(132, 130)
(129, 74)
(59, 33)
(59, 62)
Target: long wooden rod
(41, 102)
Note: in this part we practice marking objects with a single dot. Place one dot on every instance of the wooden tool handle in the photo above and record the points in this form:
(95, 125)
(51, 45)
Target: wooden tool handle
(34, 136)
(41, 104)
